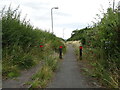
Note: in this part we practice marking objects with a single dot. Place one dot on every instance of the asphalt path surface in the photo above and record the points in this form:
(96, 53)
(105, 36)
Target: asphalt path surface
(22, 79)
(68, 75)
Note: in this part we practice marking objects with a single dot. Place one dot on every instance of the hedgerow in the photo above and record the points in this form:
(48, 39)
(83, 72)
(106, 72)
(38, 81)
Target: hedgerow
(102, 41)
(21, 43)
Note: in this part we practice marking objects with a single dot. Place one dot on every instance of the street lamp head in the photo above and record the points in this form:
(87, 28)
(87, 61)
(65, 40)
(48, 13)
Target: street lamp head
(55, 7)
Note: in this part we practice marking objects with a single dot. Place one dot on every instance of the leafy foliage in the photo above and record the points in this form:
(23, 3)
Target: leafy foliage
(102, 41)
(21, 43)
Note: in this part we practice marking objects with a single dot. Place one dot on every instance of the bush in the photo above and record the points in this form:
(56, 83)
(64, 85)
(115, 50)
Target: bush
(21, 43)
(103, 43)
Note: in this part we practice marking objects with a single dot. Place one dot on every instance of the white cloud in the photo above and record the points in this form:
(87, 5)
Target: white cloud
(71, 15)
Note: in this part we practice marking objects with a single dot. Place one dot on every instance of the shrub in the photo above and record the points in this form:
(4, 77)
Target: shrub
(21, 42)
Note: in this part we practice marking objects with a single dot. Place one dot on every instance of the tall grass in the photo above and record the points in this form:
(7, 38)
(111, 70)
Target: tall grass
(41, 78)
(21, 43)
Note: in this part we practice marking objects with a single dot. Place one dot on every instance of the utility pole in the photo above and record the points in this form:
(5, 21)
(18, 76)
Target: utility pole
(63, 33)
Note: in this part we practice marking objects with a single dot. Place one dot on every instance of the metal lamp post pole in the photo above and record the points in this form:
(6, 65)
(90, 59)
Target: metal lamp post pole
(113, 5)
(52, 17)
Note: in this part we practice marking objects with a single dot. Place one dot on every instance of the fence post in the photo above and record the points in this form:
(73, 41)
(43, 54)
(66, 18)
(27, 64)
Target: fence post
(80, 48)
(60, 52)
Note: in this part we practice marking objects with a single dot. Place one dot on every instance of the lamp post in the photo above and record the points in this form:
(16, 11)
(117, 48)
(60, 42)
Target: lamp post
(63, 33)
(52, 17)
(113, 5)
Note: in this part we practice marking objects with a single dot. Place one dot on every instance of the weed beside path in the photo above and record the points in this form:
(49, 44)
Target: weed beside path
(92, 69)
(23, 47)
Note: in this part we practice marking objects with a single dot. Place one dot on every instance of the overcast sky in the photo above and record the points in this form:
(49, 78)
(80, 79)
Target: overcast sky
(71, 15)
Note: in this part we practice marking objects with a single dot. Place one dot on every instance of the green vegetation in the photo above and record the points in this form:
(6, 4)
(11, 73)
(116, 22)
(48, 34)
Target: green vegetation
(41, 78)
(101, 47)
(21, 44)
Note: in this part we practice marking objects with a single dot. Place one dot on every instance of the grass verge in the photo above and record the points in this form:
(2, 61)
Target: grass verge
(43, 76)
(94, 66)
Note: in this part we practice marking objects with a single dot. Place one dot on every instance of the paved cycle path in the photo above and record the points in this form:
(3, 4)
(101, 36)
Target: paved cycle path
(22, 79)
(68, 75)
